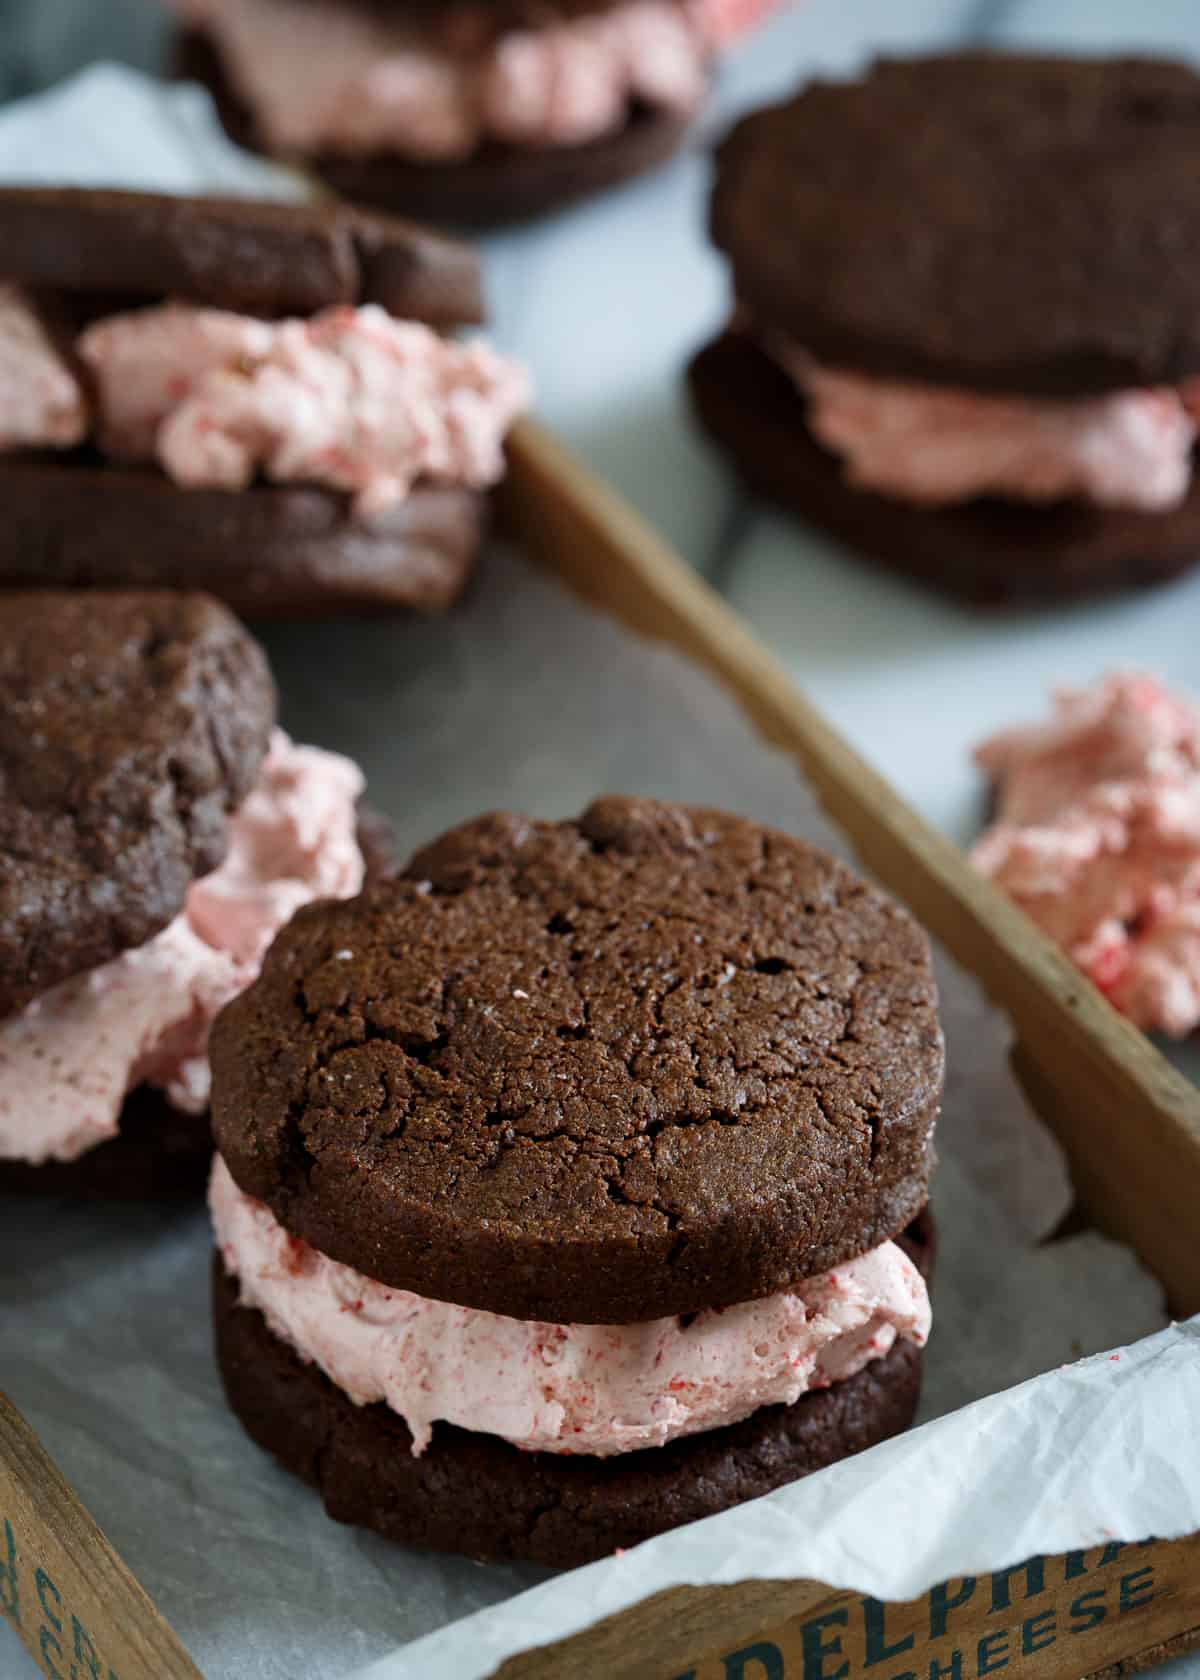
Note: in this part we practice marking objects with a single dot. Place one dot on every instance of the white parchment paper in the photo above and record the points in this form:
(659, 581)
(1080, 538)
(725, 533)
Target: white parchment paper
(526, 699)
(1051, 1465)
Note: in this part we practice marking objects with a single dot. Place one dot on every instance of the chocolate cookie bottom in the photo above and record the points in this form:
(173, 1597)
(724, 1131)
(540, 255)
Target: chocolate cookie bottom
(159, 1154)
(269, 552)
(498, 184)
(988, 552)
(475, 1493)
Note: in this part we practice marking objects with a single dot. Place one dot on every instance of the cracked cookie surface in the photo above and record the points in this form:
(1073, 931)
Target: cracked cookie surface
(131, 726)
(650, 1061)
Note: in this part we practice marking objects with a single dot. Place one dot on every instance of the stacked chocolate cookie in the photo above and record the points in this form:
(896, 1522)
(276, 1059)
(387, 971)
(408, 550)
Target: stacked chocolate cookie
(564, 1181)
(462, 110)
(966, 341)
(251, 399)
(155, 832)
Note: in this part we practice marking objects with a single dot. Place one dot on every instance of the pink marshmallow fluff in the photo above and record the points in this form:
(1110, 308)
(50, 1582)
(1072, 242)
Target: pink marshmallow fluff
(1097, 837)
(935, 445)
(351, 399)
(356, 82)
(70, 1057)
(41, 402)
(563, 1388)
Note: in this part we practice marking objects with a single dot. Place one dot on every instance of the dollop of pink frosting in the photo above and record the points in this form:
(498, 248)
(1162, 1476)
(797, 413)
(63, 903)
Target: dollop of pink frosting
(563, 1388)
(42, 404)
(937, 445)
(70, 1057)
(147, 363)
(1097, 837)
(360, 82)
(351, 398)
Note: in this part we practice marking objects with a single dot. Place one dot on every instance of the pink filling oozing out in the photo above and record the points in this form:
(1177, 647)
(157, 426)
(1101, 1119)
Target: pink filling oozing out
(935, 446)
(563, 1388)
(41, 402)
(70, 1057)
(357, 82)
(1097, 837)
(351, 399)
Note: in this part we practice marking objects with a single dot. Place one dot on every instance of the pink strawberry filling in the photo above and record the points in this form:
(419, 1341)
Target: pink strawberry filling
(350, 399)
(564, 1388)
(1097, 837)
(70, 1057)
(348, 80)
(937, 445)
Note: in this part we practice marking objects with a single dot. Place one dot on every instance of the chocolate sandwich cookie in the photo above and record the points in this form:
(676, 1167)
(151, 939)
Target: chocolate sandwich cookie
(255, 400)
(470, 113)
(156, 830)
(944, 353)
(506, 1142)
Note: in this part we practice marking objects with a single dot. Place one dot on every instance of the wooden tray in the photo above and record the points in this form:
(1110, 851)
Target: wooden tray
(1129, 1122)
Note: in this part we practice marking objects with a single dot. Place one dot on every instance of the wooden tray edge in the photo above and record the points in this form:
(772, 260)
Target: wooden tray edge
(1129, 1122)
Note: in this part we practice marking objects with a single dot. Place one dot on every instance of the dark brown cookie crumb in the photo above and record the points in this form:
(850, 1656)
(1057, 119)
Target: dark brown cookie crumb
(655, 1060)
(130, 727)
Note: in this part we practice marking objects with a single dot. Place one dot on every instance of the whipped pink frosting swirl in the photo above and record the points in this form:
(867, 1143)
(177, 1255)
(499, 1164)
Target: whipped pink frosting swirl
(70, 1057)
(563, 1388)
(1098, 838)
(936, 445)
(41, 402)
(350, 398)
(356, 82)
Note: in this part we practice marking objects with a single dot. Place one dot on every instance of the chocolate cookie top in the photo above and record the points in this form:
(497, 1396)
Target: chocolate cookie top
(1004, 222)
(131, 725)
(654, 1060)
(240, 254)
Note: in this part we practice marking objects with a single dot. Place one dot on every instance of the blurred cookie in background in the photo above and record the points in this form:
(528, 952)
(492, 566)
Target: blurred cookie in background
(966, 340)
(465, 111)
(256, 400)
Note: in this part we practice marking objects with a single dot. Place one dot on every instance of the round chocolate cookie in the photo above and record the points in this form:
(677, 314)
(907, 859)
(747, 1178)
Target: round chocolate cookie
(474, 1493)
(131, 725)
(1005, 223)
(651, 1061)
(989, 552)
(495, 185)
